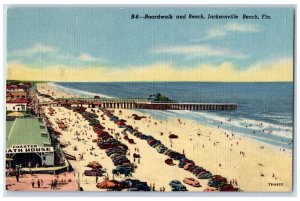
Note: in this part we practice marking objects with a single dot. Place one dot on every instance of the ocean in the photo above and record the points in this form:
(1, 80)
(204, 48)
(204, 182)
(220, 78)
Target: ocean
(265, 110)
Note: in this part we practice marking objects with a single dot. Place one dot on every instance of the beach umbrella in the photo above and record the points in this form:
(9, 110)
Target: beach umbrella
(169, 161)
(210, 189)
(173, 136)
(94, 164)
(107, 184)
(136, 155)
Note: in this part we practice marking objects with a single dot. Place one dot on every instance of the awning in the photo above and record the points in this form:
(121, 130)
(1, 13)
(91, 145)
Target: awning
(15, 114)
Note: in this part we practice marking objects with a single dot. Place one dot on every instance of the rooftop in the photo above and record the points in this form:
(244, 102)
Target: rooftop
(26, 131)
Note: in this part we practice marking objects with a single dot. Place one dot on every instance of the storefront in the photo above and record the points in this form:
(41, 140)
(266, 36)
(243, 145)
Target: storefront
(30, 155)
(28, 143)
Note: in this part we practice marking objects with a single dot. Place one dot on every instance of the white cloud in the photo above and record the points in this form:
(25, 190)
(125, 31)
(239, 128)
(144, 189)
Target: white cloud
(42, 48)
(233, 26)
(86, 57)
(35, 49)
(198, 51)
(222, 30)
(52, 54)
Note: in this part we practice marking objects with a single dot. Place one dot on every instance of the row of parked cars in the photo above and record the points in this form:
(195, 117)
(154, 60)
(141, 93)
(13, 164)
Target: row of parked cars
(118, 153)
(190, 166)
(127, 184)
(115, 149)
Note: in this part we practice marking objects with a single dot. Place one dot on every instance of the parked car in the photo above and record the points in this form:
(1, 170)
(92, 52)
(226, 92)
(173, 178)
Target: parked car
(131, 182)
(93, 173)
(192, 182)
(121, 170)
(219, 177)
(216, 183)
(204, 175)
(228, 187)
(177, 186)
(142, 187)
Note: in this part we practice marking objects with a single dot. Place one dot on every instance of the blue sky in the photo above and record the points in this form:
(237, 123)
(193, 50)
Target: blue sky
(108, 38)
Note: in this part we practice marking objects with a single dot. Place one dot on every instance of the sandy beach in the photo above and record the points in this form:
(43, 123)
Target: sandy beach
(46, 88)
(66, 182)
(254, 165)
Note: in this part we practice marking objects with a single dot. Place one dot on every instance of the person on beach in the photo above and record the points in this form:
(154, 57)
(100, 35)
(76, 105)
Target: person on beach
(55, 184)
(42, 182)
(96, 179)
(32, 183)
(38, 183)
(153, 187)
(17, 176)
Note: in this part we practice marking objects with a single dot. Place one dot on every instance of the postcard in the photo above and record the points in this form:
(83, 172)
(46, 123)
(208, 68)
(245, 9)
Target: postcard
(152, 99)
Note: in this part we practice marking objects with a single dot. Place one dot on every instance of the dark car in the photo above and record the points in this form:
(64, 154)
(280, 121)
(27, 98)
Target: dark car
(204, 175)
(114, 151)
(128, 166)
(228, 187)
(120, 162)
(215, 183)
(131, 182)
(176, 156)
(120, 170)
(177, 186)
(142, 187)
(197, 168)
(93, 173)
(198, 172)
(143, 137)
(118, 156)
(219, 177)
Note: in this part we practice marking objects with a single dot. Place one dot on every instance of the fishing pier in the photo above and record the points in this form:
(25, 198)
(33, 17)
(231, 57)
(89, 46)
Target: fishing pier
(139, 104)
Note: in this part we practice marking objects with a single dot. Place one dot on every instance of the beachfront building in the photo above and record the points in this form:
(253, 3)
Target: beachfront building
(16, 105)
(28, 143)
(14, 95)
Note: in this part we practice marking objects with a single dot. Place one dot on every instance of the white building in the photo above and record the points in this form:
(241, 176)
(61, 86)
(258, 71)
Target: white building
(13, 106)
